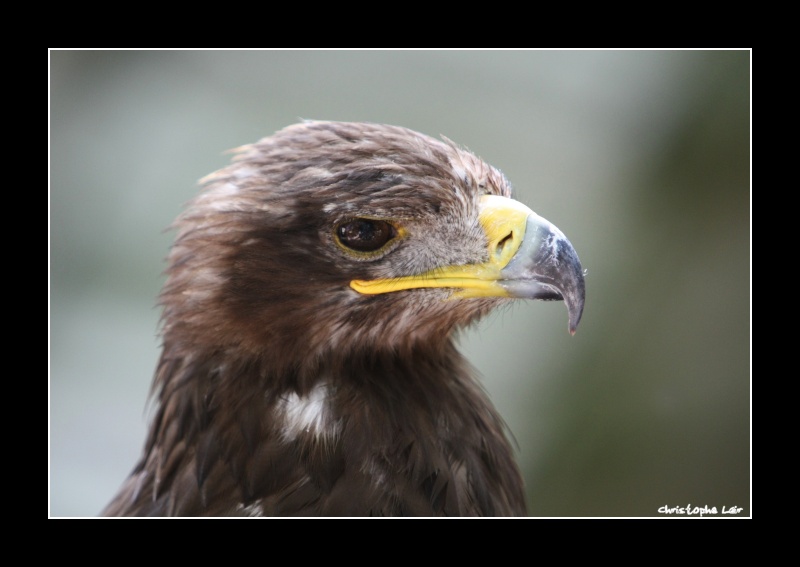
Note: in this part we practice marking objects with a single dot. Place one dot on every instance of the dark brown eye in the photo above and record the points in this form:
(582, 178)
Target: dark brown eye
(365, 235)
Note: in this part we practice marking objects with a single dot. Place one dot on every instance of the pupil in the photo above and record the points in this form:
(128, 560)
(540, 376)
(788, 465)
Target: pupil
(366, 231)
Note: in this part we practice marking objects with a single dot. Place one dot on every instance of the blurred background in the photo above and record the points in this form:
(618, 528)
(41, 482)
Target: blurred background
(641, 158)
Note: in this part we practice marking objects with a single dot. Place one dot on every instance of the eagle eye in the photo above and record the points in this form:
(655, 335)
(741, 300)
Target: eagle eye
(365, 235)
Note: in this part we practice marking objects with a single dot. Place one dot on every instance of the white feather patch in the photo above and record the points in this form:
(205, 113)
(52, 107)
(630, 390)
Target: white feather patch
(309, 414)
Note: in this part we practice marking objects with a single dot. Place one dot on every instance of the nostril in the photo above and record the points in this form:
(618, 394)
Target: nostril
(505, 240)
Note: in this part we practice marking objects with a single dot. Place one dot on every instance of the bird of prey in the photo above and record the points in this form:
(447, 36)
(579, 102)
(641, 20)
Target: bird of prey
(308, 364)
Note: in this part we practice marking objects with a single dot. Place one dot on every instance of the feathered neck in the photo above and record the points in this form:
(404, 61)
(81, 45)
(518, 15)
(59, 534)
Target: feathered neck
(405, 436)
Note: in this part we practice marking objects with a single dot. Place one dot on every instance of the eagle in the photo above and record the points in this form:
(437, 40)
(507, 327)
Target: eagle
(312, 295)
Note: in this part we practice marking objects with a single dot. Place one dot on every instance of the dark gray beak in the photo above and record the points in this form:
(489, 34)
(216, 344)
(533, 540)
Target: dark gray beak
(546, 267)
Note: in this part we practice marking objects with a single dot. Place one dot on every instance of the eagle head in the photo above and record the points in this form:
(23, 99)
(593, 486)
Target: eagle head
(311, 296)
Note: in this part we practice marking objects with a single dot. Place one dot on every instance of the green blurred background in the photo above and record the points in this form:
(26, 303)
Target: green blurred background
(641, 158)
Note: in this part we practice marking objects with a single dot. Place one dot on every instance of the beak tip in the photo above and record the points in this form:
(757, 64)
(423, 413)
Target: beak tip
(575, 301)
(573, 323)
